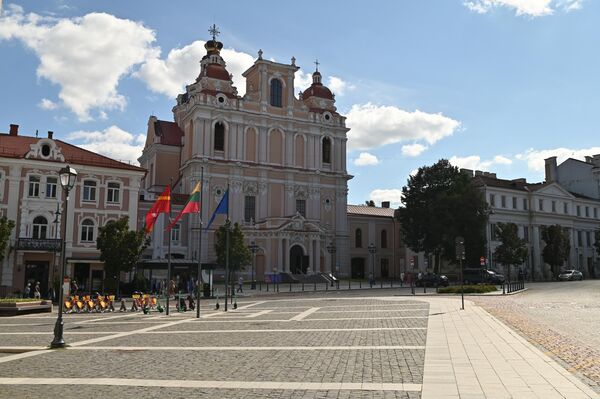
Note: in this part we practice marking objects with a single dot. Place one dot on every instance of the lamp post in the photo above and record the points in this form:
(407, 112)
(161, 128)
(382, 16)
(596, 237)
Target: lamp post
(253, 248)
(372, 251)
(331, 249)
(54, 268)
(68, 175)
(460, 256)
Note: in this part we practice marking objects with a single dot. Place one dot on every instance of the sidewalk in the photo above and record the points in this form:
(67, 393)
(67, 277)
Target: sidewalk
(470, 354)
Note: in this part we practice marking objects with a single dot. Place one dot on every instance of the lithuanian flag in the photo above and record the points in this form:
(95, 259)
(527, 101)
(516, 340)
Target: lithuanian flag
(191, 206)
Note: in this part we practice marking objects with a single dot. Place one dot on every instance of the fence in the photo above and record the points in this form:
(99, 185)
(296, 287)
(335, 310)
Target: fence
(513, 286)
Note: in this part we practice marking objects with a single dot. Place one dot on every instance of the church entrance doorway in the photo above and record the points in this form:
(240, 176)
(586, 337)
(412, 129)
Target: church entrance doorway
(357, 267)
(298, 261)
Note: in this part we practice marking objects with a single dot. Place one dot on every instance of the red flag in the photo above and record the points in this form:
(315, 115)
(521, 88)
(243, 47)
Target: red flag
(191, 206)
(162, 205)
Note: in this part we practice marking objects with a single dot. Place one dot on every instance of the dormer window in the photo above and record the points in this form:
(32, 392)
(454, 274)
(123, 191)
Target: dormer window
(219, 137)
(276, 93)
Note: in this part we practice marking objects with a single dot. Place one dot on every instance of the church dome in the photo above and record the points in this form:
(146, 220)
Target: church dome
(217, 71)
(317, 89)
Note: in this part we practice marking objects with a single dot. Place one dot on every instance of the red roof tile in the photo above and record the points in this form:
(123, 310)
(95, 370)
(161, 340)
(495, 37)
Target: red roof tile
(364, 210)
(169, 133)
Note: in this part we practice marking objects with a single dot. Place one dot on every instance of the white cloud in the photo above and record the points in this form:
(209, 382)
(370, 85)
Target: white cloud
(302, 80)
(366, 159)
(532, 8)
(112, 142)
(413, 150)
(375, 126)
(393, 195)
(85, 56)
(535, 158)
(339, 86)
(47, 104)
(475, 162)
(182, 66)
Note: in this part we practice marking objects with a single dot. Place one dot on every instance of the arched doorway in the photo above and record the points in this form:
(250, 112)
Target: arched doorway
(298, 261)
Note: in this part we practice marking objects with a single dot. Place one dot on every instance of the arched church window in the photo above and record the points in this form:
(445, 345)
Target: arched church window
(219, 136)
(358, 238)
(326, 150)
(276, 93)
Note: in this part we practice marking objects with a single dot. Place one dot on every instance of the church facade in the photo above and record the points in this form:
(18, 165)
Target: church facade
(282, 157)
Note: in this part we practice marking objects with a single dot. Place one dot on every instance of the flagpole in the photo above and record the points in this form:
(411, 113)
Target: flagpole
(227, 250)
(169, 250)
(199, 245)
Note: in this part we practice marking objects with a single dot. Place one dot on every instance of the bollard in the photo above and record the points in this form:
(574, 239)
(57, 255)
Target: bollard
(349, 284)
(326, 287)
(290, 287)
(260, 285)
(303, 286)
(381, 283)
(359, 283)
(315, 287)
(392, 283)
(267, 287)
(424, 288)
(277, 284)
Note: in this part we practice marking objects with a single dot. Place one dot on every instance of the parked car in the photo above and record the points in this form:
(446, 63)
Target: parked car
(482, 276)
(570, 275)
(432, 280)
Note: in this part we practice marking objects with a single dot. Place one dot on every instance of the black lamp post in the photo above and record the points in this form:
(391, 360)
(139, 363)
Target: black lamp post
(55, 269)
(331, 249)
(68, 175)
(372, 251)
(253, 248)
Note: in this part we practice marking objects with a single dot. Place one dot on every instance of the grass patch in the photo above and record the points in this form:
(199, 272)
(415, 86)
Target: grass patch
(469, 289)
(15, 300)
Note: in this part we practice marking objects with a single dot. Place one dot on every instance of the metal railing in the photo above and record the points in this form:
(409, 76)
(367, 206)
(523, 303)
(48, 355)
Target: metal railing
(513, 286)
(38, 244)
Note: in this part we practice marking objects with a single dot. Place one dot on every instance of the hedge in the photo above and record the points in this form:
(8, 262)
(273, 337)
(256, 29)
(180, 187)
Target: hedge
(469, 289)
(14, 300)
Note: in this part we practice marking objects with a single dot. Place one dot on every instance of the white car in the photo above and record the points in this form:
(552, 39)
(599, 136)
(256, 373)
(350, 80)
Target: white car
(570, 275)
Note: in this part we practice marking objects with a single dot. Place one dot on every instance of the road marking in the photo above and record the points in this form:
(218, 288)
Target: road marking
(247, 348)
(251, 305)
(65, 333)
(304, 314)
(263, 312)
(280, 385)
(108, 318)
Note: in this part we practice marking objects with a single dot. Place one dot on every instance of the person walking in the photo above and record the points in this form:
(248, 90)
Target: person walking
(36, 291)
(240, 284)
(27, 291)
(371, 280)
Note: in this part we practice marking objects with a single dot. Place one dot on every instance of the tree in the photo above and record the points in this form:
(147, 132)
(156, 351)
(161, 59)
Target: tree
(120, 248)
(441, 203)
(370, 203)
(239, 254)
(513, 250)
(6, 227)
(557, 249)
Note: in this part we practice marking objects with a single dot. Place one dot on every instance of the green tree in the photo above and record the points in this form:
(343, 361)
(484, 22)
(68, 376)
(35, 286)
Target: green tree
(370, 203)
(239, 254)
(557, 249)
(120, 249)
(513, 250)
(6, 227)
(441, 203)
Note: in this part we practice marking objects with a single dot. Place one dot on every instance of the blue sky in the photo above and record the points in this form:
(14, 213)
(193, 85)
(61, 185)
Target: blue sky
(496, 85)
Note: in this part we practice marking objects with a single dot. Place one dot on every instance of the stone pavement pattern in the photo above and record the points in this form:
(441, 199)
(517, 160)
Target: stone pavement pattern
(335, 346)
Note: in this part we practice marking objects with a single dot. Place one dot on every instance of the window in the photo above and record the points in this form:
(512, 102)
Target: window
(383, 239)
(176, 233)
(89, 190)
(595, 213)
(358, 238)
(326, 150)
(493, 235)
(541, 204)
(525, 204)
(113, 193)
(51, 183)
(87, 231)
(34, 186)
(579, 240)
(503, 201)
(40, 227)
(385, 267)
(301, 207)
(588, 239)
(554, 206)
(492, 200)
(249, 208)
(566, 208)
(587, 211)
(276, 93)
(219, 136)
(578, 210)
(526, 233)
(514, 202)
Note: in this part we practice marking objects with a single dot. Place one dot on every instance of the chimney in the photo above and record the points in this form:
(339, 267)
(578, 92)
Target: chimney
(551, 170)
(14, 130)
(385, 204)
(589, 159)
(50, 134)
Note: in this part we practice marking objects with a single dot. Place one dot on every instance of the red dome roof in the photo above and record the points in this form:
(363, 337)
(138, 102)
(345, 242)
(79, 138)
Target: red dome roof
(317, 90)
(217, 71)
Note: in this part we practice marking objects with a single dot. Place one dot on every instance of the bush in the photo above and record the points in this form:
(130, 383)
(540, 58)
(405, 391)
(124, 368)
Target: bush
(469, 289)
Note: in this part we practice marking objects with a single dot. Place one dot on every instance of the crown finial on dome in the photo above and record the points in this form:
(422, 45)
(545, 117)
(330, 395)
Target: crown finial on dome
(213, 46)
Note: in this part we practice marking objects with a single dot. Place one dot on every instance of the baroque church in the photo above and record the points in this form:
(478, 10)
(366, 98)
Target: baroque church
(282, 156)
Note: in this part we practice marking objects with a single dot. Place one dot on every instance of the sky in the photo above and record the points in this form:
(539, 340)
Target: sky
(493, 85)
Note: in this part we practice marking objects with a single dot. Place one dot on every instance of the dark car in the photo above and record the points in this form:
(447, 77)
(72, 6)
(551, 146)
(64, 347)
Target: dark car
(482, 276)
(570, 275)
(432, 280)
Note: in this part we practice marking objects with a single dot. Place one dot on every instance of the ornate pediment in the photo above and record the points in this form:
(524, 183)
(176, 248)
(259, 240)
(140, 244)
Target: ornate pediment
(45, 149)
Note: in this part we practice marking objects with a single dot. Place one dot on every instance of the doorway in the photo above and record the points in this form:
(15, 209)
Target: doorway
(298, 261)
(357, 266)
(37, 272)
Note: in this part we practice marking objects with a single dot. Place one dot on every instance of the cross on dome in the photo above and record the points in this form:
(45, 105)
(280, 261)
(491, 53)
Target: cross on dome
(214, 31)
(317, 63)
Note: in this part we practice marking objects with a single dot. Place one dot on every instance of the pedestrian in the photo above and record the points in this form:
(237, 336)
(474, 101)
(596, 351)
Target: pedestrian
(27, 291)
(371, 280)
(36, 291)
(50, 293)
(401, 279)
(74, 287)
(240, 284)
(172, 288)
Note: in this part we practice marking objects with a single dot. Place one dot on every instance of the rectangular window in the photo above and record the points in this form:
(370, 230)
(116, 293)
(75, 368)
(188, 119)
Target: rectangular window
(113, 193)
(525, 204)
(176, 233)
(587, 211)
(526, 233)
(579, 240)
(566, 208)
(578, 210)
(514, 201)
(588, 239)
(34, 186)
(89, 190)
(493, 235)
(503, 201)
(492, 200)
(249, 208)
(301, 207)
(541, 204)
(554, 206)
(595, 213)
(51, 183)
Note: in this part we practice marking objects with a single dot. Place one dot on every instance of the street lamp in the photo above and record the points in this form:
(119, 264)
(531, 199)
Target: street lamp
(331, 249)
(253, 248)
(54, 268)
(372, 251)
(68, 175)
